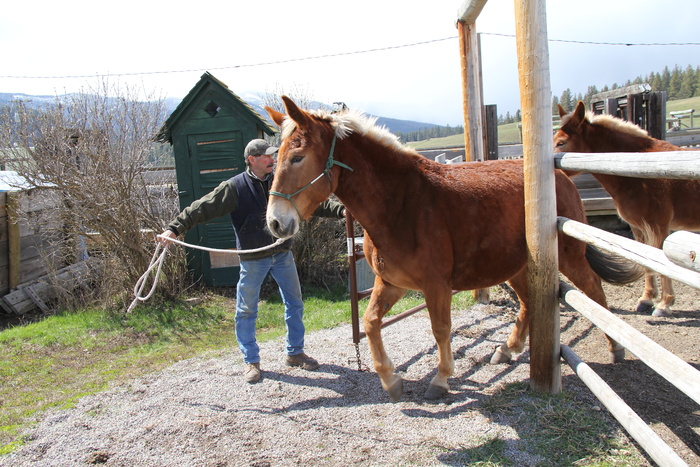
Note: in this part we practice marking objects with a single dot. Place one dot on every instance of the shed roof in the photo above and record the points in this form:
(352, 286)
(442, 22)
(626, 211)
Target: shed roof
(165, 133)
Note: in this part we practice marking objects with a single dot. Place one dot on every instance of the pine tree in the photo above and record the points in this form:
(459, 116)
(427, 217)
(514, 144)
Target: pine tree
(555, 102)
(674, 86)
(665, 80)
(687, 88)
(567, 100)
(588, 97)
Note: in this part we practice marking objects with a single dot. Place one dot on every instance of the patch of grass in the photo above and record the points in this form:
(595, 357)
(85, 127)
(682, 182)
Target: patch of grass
(56, 361)
(561, 429)
(683, 104)
(490, 453)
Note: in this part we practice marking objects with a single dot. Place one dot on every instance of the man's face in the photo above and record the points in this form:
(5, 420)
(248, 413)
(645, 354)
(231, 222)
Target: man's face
(262, 164)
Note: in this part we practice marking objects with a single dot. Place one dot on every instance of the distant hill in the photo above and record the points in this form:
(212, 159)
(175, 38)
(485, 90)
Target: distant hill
(7, 98)
(394, 125)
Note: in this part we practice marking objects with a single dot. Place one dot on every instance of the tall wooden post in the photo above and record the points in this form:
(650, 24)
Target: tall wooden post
(471, 81)
(540, 201)
(472, 95)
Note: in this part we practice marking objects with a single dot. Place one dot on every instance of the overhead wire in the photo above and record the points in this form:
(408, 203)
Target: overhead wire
(341, 54)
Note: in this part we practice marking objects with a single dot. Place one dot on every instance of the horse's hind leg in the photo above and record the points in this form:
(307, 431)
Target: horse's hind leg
(646, 302)
(516, 340)
(668, 298)
(663, 308)
(384, 296)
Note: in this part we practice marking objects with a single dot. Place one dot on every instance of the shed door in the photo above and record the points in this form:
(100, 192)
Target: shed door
(215, 157)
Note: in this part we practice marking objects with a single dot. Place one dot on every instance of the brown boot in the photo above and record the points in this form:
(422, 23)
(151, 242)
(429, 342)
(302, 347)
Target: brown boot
(302, 360)
(252, 373)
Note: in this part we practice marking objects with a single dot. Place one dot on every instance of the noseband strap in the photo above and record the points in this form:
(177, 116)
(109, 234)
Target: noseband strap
(327, 172)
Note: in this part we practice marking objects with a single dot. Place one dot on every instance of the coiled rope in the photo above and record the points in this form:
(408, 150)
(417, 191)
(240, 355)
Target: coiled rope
(157, 263)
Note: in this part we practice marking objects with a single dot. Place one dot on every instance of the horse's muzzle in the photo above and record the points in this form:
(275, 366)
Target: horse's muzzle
(283, 223)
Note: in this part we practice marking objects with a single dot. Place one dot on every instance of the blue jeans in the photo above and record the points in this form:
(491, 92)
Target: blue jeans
(284, 271)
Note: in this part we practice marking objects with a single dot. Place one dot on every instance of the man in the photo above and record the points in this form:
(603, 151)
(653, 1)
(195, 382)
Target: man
(244, 197)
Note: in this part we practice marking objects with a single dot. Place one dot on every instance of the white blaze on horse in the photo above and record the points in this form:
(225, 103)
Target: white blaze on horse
(652, 207)
(428, 227)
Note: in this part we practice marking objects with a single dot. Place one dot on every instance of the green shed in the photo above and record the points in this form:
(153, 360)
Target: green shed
(209, 130)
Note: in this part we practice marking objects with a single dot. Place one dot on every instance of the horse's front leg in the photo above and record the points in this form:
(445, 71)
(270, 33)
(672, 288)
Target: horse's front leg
(667, 296)
(384, 296)
(441, 322)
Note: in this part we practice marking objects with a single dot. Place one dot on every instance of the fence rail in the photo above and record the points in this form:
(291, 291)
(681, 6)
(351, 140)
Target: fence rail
(677, 261)
(671, 164)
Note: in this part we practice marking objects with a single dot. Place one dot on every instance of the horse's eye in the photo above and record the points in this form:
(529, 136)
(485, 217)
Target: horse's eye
(561, 143)
(296, 159)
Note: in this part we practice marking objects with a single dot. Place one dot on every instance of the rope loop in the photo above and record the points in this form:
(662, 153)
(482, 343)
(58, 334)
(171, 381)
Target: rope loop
(159, 256)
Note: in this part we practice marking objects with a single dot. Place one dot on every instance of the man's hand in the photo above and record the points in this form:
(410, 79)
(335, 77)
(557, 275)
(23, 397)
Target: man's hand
(166, 242)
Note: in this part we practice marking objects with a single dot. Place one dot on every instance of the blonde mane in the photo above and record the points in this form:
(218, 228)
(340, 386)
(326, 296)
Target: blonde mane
(346, 123)
(616, 124)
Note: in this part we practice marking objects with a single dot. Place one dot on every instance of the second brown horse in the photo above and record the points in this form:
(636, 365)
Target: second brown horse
(652, 207)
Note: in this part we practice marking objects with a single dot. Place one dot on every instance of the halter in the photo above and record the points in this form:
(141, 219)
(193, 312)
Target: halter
(327, 172)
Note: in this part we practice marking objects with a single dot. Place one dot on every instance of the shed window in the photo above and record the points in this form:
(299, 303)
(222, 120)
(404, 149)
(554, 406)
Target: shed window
(212, 108)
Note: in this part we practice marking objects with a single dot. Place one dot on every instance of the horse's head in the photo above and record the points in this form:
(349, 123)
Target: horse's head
(584, 132)
(571, 135)
(303, 177)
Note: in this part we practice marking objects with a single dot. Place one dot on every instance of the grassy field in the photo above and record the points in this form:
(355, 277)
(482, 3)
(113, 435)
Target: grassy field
(510, 133)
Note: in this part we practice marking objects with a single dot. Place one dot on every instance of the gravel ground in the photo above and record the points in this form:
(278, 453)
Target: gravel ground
(199, 412)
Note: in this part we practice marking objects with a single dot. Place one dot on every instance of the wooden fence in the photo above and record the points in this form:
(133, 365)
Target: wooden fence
(22, 247)
(27, 220)
(541, 229)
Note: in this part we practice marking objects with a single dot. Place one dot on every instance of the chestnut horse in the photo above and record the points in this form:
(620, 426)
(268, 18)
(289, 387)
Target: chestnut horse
(652, 207)
(428, 226)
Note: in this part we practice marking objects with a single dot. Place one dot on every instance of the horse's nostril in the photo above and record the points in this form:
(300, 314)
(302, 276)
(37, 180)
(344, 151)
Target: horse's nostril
(275, 226)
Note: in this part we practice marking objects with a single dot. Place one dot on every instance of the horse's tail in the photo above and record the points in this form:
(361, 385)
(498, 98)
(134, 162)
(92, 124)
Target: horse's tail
(613, 268)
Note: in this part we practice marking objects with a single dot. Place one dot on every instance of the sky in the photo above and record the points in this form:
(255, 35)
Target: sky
(391, 58)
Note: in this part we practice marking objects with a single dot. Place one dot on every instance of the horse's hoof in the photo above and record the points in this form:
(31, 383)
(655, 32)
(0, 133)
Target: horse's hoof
(435, 392)
(645, 306)
(395, 390)
(617, 356)
(500, 356)
(661, 312)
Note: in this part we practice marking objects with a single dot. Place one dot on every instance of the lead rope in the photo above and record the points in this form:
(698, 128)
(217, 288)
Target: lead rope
(157, 260)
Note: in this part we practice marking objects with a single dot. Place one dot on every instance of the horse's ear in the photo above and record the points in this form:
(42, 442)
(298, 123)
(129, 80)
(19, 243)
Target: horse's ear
(276, 116)
(580, 112)
(295, 113)
(562, 112)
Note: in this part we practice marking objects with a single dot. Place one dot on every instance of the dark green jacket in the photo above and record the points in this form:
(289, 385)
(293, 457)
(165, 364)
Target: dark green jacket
(223, 200)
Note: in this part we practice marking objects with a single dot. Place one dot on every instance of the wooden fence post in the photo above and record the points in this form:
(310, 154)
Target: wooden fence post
(491, 136)
(471, 84)
(540, 201)
(472, 95)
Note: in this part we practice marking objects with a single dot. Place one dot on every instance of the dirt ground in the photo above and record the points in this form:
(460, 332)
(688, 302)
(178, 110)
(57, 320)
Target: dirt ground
(674, 416)
(193, 412)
